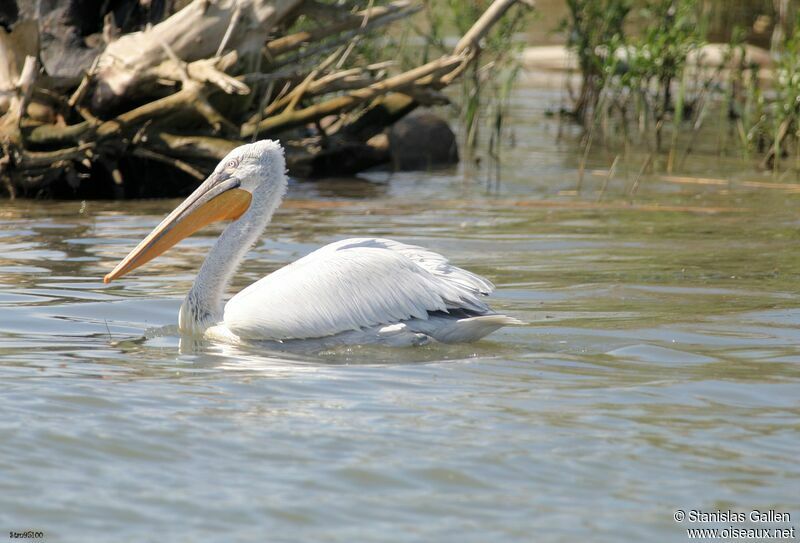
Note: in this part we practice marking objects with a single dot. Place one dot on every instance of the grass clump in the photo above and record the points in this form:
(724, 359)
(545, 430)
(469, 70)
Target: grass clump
(650, 85)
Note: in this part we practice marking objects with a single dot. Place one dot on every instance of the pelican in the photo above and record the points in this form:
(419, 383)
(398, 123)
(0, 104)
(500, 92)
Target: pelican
(359, 290)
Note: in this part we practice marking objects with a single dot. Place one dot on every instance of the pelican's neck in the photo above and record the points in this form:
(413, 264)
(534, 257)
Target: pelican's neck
(203, 305)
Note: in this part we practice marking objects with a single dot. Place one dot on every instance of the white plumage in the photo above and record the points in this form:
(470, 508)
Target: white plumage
(360, 290)
(350, 285)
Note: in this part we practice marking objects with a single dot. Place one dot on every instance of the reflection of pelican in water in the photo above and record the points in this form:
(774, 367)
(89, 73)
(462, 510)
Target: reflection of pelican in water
(362, 290)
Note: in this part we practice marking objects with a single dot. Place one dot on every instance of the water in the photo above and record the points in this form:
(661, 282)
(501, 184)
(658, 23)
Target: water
(660, 371)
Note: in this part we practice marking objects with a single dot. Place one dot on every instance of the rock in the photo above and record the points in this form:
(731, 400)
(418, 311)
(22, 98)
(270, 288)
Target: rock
(421, 141)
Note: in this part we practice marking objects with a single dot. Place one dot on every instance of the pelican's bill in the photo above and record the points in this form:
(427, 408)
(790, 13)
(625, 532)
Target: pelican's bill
(195, 213)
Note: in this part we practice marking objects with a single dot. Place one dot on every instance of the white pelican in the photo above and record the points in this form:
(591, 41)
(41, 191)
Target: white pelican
(361, 290)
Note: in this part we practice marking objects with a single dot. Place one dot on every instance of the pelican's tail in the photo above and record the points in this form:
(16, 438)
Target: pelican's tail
(470, 328)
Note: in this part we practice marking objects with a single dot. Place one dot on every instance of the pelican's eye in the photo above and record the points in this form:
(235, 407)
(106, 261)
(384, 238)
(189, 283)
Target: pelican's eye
(232, 164)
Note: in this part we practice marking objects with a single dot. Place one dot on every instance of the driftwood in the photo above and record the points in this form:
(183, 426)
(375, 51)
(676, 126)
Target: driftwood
(173, 98)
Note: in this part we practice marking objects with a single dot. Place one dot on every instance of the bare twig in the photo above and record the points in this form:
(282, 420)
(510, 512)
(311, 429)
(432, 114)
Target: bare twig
(611, 171)
(637, 181)
(237, 11)
(472, 38)
(174, 162)
(289, 119)
(377, 16)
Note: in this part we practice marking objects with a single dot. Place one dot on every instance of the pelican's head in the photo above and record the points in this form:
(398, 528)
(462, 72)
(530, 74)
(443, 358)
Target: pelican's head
(244, 175)
(253, 166)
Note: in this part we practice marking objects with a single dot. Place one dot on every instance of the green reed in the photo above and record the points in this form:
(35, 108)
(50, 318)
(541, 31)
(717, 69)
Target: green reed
(485, 89)
(652, 85)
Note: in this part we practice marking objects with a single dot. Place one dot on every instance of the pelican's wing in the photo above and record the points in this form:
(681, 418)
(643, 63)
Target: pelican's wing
(353, 284)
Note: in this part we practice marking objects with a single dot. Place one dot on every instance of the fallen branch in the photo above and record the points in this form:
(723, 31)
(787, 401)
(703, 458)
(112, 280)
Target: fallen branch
(185, 91)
